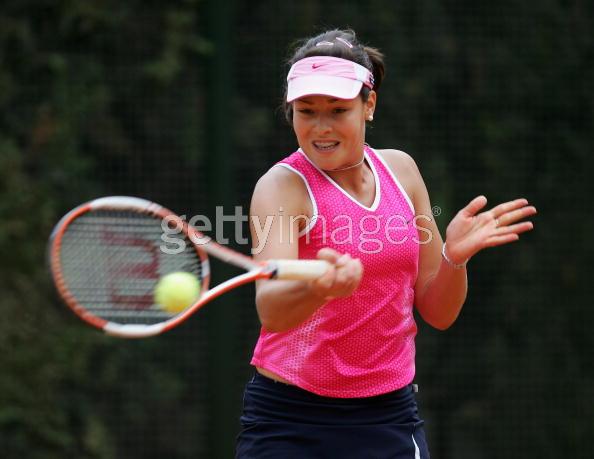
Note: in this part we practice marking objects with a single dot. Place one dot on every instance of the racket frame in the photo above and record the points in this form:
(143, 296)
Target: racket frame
(282, 269)
(121, 203)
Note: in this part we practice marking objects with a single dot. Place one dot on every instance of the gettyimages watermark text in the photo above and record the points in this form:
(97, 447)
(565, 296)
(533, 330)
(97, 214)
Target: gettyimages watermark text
(369, 233)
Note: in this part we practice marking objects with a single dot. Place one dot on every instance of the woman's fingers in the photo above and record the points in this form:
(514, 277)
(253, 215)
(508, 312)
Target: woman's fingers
(327, 280)
(352, 275)
(356, 273)
(518, 228)
(342, 278)
(494, 241)
(505, 217)
(471, 231)
(509, 207)
(474, 206)
(328, 254)
(343, 269)
(512, 216)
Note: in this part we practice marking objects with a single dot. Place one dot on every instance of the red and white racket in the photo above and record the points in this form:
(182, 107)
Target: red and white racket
(107, 255)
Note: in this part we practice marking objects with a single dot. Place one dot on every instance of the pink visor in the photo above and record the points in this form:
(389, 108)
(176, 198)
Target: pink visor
(328, 76)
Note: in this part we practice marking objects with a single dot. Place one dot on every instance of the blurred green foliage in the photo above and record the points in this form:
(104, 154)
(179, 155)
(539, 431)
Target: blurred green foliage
(66, 391)
(105, 97)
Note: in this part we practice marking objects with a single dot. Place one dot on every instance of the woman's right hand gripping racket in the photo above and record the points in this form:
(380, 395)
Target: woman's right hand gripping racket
(107, 255)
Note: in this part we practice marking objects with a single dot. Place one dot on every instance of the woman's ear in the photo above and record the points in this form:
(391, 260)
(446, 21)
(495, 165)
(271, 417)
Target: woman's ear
(370, 105)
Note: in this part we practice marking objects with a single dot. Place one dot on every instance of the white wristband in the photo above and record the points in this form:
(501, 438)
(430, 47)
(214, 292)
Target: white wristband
(450, 262)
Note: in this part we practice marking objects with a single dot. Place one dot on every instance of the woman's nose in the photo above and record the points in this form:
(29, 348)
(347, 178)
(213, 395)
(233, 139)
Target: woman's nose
(323, 125)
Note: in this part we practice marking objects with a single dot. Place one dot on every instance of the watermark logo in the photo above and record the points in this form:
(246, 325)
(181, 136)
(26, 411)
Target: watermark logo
(369, 234)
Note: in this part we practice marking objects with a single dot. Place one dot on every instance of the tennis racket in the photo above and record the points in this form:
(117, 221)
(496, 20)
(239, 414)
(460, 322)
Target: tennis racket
(107, 255)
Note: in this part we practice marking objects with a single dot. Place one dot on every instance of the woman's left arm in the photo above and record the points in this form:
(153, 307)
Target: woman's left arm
(441, 284)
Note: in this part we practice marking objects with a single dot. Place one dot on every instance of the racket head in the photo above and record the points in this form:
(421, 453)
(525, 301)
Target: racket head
(107, 255)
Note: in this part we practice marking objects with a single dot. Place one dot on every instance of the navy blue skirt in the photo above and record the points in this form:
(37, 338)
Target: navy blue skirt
(286, 422)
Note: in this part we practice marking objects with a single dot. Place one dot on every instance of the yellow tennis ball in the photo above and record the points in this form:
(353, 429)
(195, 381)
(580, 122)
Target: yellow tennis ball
(176, 291)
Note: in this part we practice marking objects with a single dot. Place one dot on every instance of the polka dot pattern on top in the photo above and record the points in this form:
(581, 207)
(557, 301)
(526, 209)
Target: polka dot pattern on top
(362, 345)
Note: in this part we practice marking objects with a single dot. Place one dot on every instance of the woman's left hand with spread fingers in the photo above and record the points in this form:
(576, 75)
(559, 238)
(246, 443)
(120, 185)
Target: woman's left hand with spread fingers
(471, 230)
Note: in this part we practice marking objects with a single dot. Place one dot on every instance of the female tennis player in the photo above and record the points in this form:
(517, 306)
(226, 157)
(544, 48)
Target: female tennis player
(335, 359)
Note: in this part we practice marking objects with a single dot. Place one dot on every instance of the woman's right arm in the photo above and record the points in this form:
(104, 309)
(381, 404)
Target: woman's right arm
(279, 198)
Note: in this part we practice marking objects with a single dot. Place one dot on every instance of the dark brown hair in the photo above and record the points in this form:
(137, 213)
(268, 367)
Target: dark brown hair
(343, 44)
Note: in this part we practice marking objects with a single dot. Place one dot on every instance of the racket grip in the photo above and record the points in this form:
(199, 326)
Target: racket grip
(300, 269)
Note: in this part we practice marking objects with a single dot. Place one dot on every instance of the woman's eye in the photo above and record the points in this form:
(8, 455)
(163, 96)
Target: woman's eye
(339, 110)
(305, 111)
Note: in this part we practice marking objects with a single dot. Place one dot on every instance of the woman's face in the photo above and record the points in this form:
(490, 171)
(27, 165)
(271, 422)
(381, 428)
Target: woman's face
(331, 131)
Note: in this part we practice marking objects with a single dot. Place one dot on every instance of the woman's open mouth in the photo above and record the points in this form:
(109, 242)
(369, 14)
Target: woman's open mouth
(326, 146)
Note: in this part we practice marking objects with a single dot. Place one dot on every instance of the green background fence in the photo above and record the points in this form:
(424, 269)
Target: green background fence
(178, 102)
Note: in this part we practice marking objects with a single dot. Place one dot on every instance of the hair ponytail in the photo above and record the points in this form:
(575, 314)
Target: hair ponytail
(377, 62)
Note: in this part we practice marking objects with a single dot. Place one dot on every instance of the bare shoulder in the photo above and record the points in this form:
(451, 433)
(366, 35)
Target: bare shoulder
(404, 167)
(279, 188)
(398, 159)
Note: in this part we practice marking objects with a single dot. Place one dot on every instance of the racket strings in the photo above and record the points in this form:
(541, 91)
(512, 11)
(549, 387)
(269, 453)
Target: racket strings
(112, 260)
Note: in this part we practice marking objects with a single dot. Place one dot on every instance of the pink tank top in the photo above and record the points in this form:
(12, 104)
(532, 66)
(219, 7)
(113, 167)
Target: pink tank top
(362, 345)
